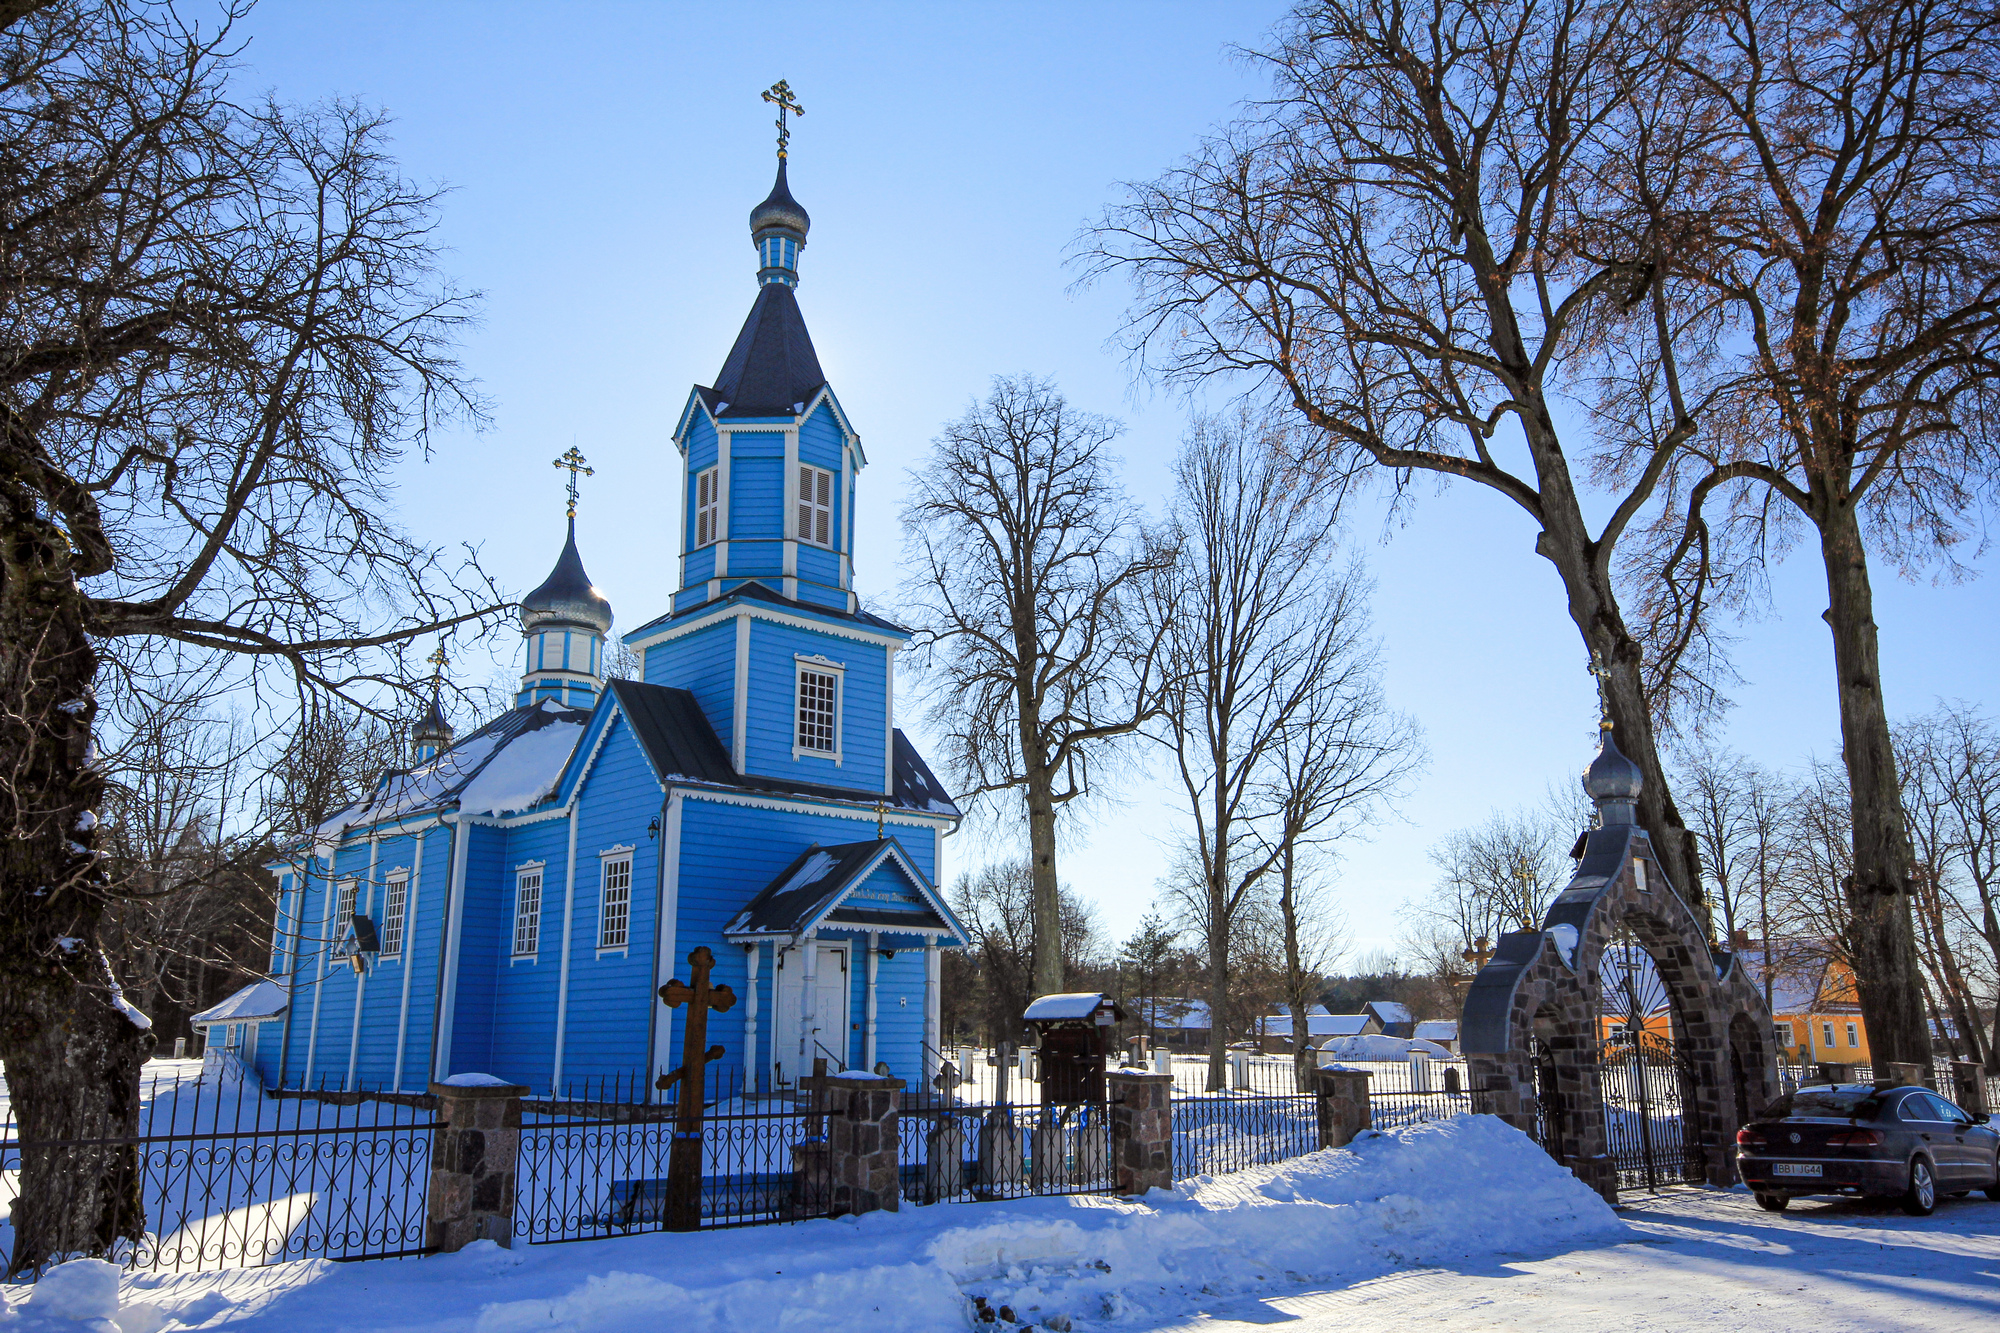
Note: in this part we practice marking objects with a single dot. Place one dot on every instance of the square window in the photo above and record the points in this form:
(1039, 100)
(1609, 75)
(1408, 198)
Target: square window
(528, 913)
(707, 506)
(816, 506)
(393, 902)
(819, 699)
(614, 904)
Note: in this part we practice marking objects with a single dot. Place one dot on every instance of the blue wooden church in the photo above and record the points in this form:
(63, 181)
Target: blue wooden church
(511, 903)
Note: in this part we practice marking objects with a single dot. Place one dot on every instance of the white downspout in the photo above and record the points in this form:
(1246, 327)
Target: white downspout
(752, 954)
(931, 1035)
(562, 979)
(319, 976)
(808, 1005)
(868, 1028)
(365, 905)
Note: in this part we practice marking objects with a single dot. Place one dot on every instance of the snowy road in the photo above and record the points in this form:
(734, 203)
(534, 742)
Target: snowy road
(1699, 1260)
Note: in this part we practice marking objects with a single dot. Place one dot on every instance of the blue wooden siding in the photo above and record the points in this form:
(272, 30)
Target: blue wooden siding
(774, 702)
(516, 1039)
(700, 565)
(820, 439)
(611, 995)
(756, 487)
(486, 921)
(704, 664)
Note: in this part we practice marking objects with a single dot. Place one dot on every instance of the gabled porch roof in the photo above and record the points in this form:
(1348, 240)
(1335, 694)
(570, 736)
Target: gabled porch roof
(824, 888)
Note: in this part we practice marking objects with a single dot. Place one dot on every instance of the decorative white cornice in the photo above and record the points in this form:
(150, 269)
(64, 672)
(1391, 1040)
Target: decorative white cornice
(667, 632)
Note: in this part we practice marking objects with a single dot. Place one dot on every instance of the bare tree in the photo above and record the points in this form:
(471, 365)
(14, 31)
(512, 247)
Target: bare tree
(1499, 876)
(1025, 552)
(1404, 244)
(1274, 718)
(996, 905)
(1845, 224)
(1951, 774)
(219, 326)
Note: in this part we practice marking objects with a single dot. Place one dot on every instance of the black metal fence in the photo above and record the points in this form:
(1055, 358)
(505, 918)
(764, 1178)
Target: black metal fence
(233, 1177)
(951, 1152)
(594, 1162)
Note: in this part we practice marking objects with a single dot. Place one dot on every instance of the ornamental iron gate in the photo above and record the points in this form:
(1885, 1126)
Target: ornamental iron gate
(1648, 1084)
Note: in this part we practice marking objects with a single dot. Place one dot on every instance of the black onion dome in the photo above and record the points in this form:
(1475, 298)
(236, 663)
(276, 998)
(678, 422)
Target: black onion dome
(779, 209)
(1611, 776)
(566, 595)
(432, 726)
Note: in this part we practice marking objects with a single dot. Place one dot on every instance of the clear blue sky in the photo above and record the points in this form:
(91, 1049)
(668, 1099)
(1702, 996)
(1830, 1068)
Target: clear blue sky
(604, 157)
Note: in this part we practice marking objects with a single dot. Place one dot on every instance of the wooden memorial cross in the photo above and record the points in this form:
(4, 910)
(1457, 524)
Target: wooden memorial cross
(684, 1157)
(815, 1084)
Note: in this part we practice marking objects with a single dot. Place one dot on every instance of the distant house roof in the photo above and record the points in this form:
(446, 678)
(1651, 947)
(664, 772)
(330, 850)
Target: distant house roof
(1171, 1011)
(258, 1000)
(1804, 978)
(827, 886)
(1437, 1029)
(1390, 1011)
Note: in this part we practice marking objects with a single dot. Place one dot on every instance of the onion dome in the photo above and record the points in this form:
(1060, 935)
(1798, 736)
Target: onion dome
(1613, 781)
(431, 728)
(566, 597)
(779, 210)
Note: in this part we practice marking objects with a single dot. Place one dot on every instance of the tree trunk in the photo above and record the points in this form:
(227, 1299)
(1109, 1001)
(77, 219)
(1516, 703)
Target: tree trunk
(1218, 992)
(1046, 977)
(1593, 606)
(72, 1057)
(1881, 937)
(1295, 973)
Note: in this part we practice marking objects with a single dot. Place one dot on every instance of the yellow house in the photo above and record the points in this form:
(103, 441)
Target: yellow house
(1814, 1015)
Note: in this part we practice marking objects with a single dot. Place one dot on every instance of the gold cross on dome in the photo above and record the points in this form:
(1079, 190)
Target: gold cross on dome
(574, 461)
(438, 660)
(781, 94)
(1602, 672)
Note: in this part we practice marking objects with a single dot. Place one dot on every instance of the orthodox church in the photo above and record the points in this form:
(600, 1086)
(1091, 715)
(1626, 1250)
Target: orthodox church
(512, 902)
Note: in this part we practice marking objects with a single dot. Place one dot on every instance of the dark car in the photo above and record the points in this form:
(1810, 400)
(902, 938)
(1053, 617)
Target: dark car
(1867, 1139)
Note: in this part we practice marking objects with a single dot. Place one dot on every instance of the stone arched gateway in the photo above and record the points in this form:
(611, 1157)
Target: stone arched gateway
(1532, 1030)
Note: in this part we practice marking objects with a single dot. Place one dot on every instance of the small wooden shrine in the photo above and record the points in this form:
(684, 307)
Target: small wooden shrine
(1075, 1034)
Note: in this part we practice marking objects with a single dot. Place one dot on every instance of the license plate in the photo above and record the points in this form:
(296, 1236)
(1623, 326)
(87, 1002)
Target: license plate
(1796, 1169)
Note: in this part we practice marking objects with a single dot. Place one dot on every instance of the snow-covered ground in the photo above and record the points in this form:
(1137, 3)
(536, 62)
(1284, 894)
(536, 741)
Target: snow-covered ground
(1465, 1222)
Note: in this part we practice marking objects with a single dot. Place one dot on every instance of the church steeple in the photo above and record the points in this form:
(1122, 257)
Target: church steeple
(564, 622)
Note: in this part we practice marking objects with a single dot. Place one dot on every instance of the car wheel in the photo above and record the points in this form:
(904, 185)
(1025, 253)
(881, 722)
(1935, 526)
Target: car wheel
(1920, 1200)
(1777, 1203)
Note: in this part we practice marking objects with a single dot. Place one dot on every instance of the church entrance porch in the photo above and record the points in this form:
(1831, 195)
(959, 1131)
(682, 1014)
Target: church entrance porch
(803, 1031)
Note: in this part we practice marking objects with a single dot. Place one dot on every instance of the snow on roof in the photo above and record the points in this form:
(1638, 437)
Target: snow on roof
(1437, 1029)
(1076, 1004)
(529, 738)
(523, 773)
(1390, 1011)
(260, 999)
(1321, 1024)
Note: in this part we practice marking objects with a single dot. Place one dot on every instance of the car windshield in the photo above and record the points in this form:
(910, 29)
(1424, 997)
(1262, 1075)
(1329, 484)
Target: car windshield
(1840, 1103)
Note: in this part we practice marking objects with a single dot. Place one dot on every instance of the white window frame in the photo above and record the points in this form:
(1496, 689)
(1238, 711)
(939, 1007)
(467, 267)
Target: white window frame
(813, 516)
(348, 896)
(1826, 1030)
(608, 863)
(708, 514)
(818, 666)
(395, 913)
(1854, 1035)
(528, 924)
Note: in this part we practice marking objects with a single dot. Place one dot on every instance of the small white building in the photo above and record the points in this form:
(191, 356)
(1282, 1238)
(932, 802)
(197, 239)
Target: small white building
(234, 1024)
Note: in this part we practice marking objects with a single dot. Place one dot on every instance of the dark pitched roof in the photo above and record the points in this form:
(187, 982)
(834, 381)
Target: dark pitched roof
(772, 370)
(815, 880)
(677, 737)
(758, 592)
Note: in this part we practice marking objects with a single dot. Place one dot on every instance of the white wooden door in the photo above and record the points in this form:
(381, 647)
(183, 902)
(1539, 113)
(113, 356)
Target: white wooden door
(792, 1052)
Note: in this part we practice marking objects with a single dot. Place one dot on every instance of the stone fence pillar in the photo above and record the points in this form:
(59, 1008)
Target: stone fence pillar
(1968, 1086)
(864, 1144)
(1342, 1097)
(474, 1151)
(1142, 1130)
(1908, 1074)
(1833, 1072)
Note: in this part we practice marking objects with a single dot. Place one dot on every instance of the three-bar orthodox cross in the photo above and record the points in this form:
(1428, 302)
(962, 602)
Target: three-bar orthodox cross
(684, 1158)
(781, 93)
(1598, 669)
(574, 461)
